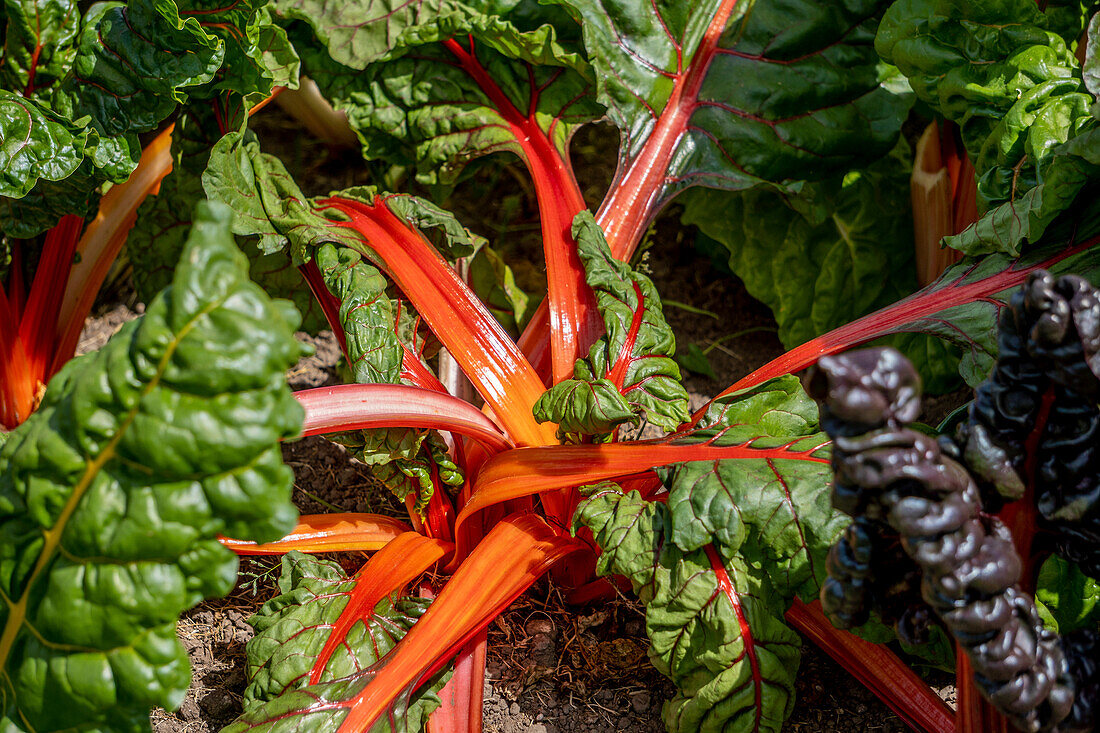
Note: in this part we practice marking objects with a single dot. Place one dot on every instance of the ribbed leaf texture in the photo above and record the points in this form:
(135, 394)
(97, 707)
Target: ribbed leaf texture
(410, 462)
(291, 631)
(163, 220)
(113, 492)
(1015, 89)
(367, 314)
(268, 202)
(459, 84)
(729, 653)
(718, 561)
(38, 144)
(629, 373)
(748, 92)
(258, 55)
(133, 61)
(774, 503)
(77, 90)
(827, 256)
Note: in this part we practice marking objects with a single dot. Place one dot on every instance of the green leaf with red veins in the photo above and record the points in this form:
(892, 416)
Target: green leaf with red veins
(37, 145)
(629, 372)
(777, 503)
(258, 55)
(292, 628)
(269, 204)
(411, 463)
(713, 619)
(48, 201)
(729, 94)
(822, 259)
(135, 62)
(1008, 227)
(444, 102)
(39, 42)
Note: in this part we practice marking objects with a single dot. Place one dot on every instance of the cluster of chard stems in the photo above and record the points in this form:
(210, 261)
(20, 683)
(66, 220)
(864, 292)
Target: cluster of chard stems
(510, 522)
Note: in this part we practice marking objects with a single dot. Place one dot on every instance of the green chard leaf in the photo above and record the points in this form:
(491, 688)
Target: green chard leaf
(87, 86)
(258, 55)
(163, 220)
(113, 493)
(777, 503)
(408, 461)
(269, 204)
(1015, 90)
(714, 621)
(748, 92)
(291, 631)
(436, 103)
(134, 62)
(718, 562)
(839, 250)
(367, 314)
(1090, 72)
(35, 143)
(1067, 599)
(39, 43)
(629, 372)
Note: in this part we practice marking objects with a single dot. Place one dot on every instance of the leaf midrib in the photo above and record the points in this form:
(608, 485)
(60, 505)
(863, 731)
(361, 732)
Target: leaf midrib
(18, 611)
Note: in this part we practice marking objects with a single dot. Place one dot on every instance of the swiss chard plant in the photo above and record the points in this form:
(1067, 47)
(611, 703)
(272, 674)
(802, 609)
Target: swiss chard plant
(777, 127)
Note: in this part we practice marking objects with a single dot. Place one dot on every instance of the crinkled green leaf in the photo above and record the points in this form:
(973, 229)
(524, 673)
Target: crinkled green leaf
(39, 44)
(48, 201)
(277, 54)
(1090, 71)
(373, 348)
(791, 91)
(134, 63)
(360, 34)
(257, 53)
(1068, 18)
(634, 359)
(1066, 598)
(844, 250)
(158, 235)
(292, 629)
(113, 493)
(269, 204)
(993, 67)
(435, 107)
(35, 144)
(408, 461)
(1006, 228)
(778, 502)
(584, 407)
(728, 679)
